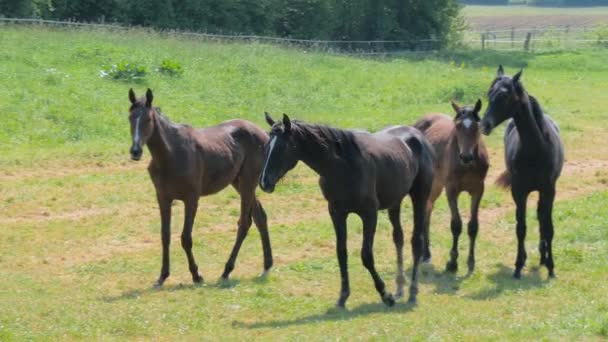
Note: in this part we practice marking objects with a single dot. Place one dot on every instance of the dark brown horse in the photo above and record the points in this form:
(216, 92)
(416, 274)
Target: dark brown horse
(462, 165)
(188, 163)
(359, 173)
(534, 156)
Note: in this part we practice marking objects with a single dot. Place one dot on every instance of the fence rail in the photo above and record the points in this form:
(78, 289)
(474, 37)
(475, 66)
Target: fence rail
(528, 39)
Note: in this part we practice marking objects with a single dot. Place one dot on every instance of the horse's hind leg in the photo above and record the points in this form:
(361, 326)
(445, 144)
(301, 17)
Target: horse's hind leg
(261, 222)
(370, 219)
(247, 200)
(435, 192)
(520, 199)
(473, 227)
(419, 197)
(545, 209)
(456, 227)
(394, 216)
(191, 206)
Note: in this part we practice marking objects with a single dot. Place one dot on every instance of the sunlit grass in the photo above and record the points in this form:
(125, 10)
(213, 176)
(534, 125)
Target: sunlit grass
(80, 228)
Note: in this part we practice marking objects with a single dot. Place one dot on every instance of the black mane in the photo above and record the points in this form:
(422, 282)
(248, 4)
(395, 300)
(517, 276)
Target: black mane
(340, 142)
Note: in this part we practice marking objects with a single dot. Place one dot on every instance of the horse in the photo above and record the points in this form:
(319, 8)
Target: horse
(534, 158)
(189, 163)
(359, 173)
(461, 165)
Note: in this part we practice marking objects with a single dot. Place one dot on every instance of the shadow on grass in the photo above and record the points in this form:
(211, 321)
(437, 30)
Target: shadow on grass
(469, 57)
(333, 314)
(219, 285)
(503, 282)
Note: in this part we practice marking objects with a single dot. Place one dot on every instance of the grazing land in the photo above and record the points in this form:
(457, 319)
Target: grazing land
(505, 17)
(79, 236)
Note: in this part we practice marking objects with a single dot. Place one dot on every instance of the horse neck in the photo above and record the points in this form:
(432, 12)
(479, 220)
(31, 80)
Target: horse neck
(316, 155)
(159, 144)
(529, 122)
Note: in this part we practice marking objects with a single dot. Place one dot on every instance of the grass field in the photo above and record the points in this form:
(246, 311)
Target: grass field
(505, 17)
(80, 244)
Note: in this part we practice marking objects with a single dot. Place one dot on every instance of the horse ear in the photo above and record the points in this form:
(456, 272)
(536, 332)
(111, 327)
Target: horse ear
(477, 106)
(269, 120)
(286, 123)
(149, 98)
(500, 72)
(456, 107)
(517, 76)
(132, 97)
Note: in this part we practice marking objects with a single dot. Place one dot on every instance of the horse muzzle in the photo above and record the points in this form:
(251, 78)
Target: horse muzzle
(267, 187)
(486, 127)
(136, 152)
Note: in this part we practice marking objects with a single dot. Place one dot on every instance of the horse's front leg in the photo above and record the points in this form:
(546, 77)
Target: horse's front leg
(165, 233)
(520, 199)
(473, 227)
(370, 219)
(456, 228)
(191, 205)
(545, 210)
(338, 217)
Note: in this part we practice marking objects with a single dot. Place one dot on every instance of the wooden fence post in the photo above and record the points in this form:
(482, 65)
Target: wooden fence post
(483, 41)
(527, 42)
(512, 37)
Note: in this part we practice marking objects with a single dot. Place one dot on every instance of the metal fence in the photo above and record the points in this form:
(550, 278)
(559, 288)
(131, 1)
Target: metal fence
(522, 39)
(539, 39)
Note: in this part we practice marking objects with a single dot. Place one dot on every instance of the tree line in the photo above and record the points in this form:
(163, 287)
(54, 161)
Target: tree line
(307, 19)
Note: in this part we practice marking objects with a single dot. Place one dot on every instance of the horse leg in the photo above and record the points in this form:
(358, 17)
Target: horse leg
(435, 192)
(244, 224)
(338, 218)
(456, 228)
(261, 222)
(419, 197)
(394, 216)
(165, 234)
(473, 226)
(191, 205)
(370, 218)
(520, 199)
(545, 209)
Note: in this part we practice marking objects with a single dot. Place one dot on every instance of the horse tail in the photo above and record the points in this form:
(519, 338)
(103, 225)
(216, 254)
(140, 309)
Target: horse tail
(504, 180)
(424, 152)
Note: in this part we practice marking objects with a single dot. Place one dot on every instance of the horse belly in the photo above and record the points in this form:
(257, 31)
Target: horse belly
(394, 184)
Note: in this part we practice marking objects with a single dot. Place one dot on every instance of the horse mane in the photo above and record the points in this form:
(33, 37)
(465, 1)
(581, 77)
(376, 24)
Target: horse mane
(331, 139)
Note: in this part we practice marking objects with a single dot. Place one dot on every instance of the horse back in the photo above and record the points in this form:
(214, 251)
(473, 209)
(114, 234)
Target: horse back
(227, 151)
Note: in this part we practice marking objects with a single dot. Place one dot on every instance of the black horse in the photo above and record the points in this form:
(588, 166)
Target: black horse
(359, 173)
(534, 156)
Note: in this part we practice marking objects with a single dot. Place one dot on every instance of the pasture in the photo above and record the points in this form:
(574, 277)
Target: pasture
(505, 17)
(80, 242)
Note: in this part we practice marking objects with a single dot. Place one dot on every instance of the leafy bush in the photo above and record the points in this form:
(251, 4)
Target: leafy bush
(125, 70)
(171, 67)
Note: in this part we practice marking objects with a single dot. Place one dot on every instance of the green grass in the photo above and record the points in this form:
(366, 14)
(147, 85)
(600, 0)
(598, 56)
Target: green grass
(80, 228)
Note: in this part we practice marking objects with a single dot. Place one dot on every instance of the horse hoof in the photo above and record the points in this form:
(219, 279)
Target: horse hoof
(426, 259)
(197, 279)
(451, 267)
(157, 285)
(551, 274)
(398, 294)
(517, 274)
(340, 304)
(265, 274)
(412, 299)
(388, 299)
